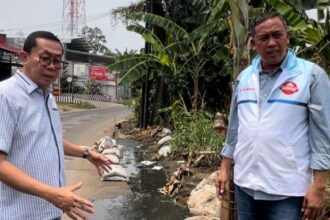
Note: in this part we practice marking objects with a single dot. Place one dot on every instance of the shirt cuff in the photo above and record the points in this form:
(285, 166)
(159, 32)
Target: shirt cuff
(320, 161)
(227, 151)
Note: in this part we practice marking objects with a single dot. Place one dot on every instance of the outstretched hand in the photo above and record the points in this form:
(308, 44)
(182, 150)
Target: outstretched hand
(100, 161)
(71, 204)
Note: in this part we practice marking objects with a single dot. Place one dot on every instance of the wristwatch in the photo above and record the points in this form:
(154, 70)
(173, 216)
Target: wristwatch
(86, 153)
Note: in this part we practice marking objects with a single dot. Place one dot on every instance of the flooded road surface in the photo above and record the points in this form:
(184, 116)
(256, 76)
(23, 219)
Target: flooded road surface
(147, 203)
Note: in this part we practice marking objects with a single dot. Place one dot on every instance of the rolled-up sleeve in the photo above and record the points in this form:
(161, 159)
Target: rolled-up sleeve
(7, 124)
(231, 138)
(319, 120)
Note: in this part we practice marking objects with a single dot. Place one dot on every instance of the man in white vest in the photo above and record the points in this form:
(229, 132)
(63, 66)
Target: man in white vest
(278, 135)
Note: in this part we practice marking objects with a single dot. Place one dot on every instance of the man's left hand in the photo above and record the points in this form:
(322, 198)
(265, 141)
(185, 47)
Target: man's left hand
(313, 203)
(100, 161)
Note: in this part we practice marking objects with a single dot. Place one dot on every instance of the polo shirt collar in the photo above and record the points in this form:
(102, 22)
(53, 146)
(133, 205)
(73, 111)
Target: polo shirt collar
(278, 69)
(28, 84)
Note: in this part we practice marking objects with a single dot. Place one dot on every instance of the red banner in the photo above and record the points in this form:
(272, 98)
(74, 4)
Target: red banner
(98, 73)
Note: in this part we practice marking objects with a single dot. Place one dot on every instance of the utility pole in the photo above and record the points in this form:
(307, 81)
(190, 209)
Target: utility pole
(144, 114)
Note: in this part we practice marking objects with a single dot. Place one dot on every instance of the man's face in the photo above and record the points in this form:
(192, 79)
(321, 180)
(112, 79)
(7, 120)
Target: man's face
(44, 63)
(271, 42)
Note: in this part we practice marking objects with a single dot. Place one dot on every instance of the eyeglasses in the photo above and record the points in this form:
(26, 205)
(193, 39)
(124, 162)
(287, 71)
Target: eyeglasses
(45, 61)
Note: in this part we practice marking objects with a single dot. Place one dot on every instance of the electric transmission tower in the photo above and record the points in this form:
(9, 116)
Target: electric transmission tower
(74, 17)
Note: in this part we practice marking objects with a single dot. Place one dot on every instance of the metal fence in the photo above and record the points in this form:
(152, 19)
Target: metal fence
(75, 98)
(67, 99)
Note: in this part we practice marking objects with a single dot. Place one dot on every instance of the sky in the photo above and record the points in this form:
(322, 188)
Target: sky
(26, 16)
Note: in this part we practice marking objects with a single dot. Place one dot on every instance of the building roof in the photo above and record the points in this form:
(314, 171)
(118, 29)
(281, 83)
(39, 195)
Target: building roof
(71, 55)
(9, 48)
(79, 44)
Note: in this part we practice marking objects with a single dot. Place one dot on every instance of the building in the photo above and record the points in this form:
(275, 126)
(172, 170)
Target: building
(86, 68)
(9, 58)
(80, 66)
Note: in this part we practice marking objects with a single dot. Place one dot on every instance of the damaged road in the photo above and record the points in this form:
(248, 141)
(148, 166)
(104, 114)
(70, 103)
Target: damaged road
(85, 128)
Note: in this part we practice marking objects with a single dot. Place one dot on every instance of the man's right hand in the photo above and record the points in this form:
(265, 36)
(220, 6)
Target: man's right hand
(71, 204)
(223, 179)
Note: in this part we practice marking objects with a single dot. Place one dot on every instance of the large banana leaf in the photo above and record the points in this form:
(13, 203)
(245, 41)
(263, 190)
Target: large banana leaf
(126, 62)
(239, 10)
(148, 36)
(136, 72)
(239, 25)
(169, 26)
(217, 11)
(210, 28)
(310, 36)
(322, 5)
(292, 16)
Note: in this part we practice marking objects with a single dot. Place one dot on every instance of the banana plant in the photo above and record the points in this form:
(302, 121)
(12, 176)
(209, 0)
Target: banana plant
(182, 53)
(239, 24)
(310, 38)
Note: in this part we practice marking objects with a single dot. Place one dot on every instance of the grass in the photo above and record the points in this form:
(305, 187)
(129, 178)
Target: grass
(72, 106)
(128, 102)
(194, 133)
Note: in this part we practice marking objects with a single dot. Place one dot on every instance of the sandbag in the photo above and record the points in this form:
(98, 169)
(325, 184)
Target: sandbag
(113, 150)
(114, 159)
(117, 172)
(203, 200)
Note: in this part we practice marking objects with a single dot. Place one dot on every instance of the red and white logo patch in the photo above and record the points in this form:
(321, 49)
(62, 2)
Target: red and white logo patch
(289, 88)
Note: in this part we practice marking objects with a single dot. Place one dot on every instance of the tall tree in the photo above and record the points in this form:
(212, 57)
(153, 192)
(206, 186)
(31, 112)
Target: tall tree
(96, 39)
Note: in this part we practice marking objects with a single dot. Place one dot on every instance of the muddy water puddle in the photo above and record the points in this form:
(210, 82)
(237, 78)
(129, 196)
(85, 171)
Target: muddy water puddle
(147, 203)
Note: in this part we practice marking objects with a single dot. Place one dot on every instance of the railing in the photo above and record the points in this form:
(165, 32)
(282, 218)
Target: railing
(67, 99)
(70, 98)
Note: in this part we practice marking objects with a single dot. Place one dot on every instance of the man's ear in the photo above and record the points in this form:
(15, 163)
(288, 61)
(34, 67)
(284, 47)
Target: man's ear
(23, 56)
(252, 43)
(251, 40)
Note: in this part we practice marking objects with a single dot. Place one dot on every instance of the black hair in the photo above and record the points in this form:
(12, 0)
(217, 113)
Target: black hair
(264, 17)
(30, 41)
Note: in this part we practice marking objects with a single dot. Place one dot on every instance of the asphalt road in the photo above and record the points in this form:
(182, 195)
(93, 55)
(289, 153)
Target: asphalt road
(85, 128)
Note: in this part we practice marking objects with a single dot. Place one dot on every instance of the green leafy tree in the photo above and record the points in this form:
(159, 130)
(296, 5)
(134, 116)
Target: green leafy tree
(121, 14)
(96, 39)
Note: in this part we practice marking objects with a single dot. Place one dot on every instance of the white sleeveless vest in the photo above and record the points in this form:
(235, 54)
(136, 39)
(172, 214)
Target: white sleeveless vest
(272, 153)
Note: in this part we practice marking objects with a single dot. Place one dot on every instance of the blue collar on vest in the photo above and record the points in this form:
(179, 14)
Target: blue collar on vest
(291, 65)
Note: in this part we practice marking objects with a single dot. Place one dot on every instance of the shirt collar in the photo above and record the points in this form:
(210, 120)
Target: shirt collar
(28, 84)
(276, 70)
